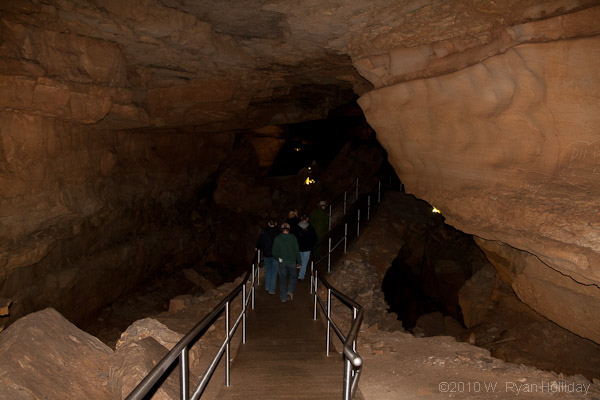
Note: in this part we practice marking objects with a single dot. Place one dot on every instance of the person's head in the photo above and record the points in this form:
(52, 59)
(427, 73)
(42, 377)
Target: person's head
(271, 223)
(293, 214)
(304, 217)
(322, 204)
(285, 227)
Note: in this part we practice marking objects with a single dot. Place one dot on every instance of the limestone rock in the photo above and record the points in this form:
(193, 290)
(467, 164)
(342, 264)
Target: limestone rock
(475, 296)
(552, 294)
(149, 327)
(198, 280)
(133, 361)
(4, 306)
(45, 356)
(430, 324)
(499, 148)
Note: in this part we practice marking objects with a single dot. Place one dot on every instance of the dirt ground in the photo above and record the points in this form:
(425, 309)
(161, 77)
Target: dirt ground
(401, 366)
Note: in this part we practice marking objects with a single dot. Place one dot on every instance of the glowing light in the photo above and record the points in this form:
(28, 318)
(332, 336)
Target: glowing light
(309, 181)
(435, 210)
(297, 149)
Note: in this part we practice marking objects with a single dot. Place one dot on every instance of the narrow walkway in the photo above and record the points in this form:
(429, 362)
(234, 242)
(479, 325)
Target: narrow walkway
(284, 356)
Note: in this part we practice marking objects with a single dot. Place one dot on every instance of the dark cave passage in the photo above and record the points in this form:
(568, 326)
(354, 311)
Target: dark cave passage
(429, 271)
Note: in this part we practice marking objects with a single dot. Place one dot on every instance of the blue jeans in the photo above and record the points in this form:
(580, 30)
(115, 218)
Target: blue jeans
(304, 256)
(288, 277)
(270, 274)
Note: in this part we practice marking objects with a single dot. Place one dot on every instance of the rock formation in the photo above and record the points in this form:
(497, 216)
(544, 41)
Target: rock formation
(507, 149)
(117, 117)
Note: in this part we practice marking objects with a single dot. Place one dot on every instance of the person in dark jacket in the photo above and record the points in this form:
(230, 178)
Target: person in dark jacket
(287, 252)
(293, 220)
(307, 238)
(265, 244)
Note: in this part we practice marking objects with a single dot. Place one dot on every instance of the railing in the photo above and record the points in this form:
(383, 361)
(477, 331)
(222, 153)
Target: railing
(180, 350)
(352, 360)
(343, 199)
(364, 205)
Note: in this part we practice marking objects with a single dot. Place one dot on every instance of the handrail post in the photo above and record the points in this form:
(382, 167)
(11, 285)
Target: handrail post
(227, 366)
(368, 207)
(328, 318)
(315, 296)
(312, 272)
(344, 202)
(358, 224)
(329, 257)
(347, 381)
(184, 374)
(379, 192)
(253, 281)
(345, 237)
(329, 226)
(258, 268)
(244, 313)
(357, 188)
(354, 313)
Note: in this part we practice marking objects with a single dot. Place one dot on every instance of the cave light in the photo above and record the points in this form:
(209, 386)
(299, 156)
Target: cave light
(435, 210)
(309, 181)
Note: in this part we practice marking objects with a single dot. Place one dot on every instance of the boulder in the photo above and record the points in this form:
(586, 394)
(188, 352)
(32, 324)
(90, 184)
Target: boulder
(44, 356)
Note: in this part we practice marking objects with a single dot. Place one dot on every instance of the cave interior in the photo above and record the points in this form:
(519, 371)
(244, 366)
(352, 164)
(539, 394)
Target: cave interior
(144, 141)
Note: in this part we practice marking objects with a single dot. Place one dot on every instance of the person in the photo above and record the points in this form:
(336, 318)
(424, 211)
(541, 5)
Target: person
(293, 221)
(265, 244)
(307, 238)
(319, 220)
(287, 252)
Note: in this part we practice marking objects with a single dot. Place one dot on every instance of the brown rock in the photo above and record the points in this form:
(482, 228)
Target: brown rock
(133, 361)
(475, 296)
(552, 294)
(4, 306)
(45, 356)
(430, 324)
(503, 172)
(149, 327)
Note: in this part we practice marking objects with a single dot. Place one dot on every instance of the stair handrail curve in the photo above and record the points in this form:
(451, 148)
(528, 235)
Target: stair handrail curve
(180, 350)
(353, 362)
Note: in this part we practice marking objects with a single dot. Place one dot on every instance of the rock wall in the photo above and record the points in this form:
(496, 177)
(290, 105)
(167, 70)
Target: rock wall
(87, 213)
(508, 149)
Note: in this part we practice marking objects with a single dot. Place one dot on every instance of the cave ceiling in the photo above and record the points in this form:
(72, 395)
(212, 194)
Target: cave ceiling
(230, 64)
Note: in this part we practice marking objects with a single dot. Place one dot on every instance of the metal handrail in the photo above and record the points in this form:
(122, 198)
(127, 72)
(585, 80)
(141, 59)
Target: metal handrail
(180, 350)
(352, 360)
(375, 191)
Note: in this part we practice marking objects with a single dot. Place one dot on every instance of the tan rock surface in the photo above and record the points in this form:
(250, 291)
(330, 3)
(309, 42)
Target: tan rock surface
(45, 356)
(133, 362)
(505, 149)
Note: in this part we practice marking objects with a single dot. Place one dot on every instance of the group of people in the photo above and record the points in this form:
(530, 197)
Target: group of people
(287, 249)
